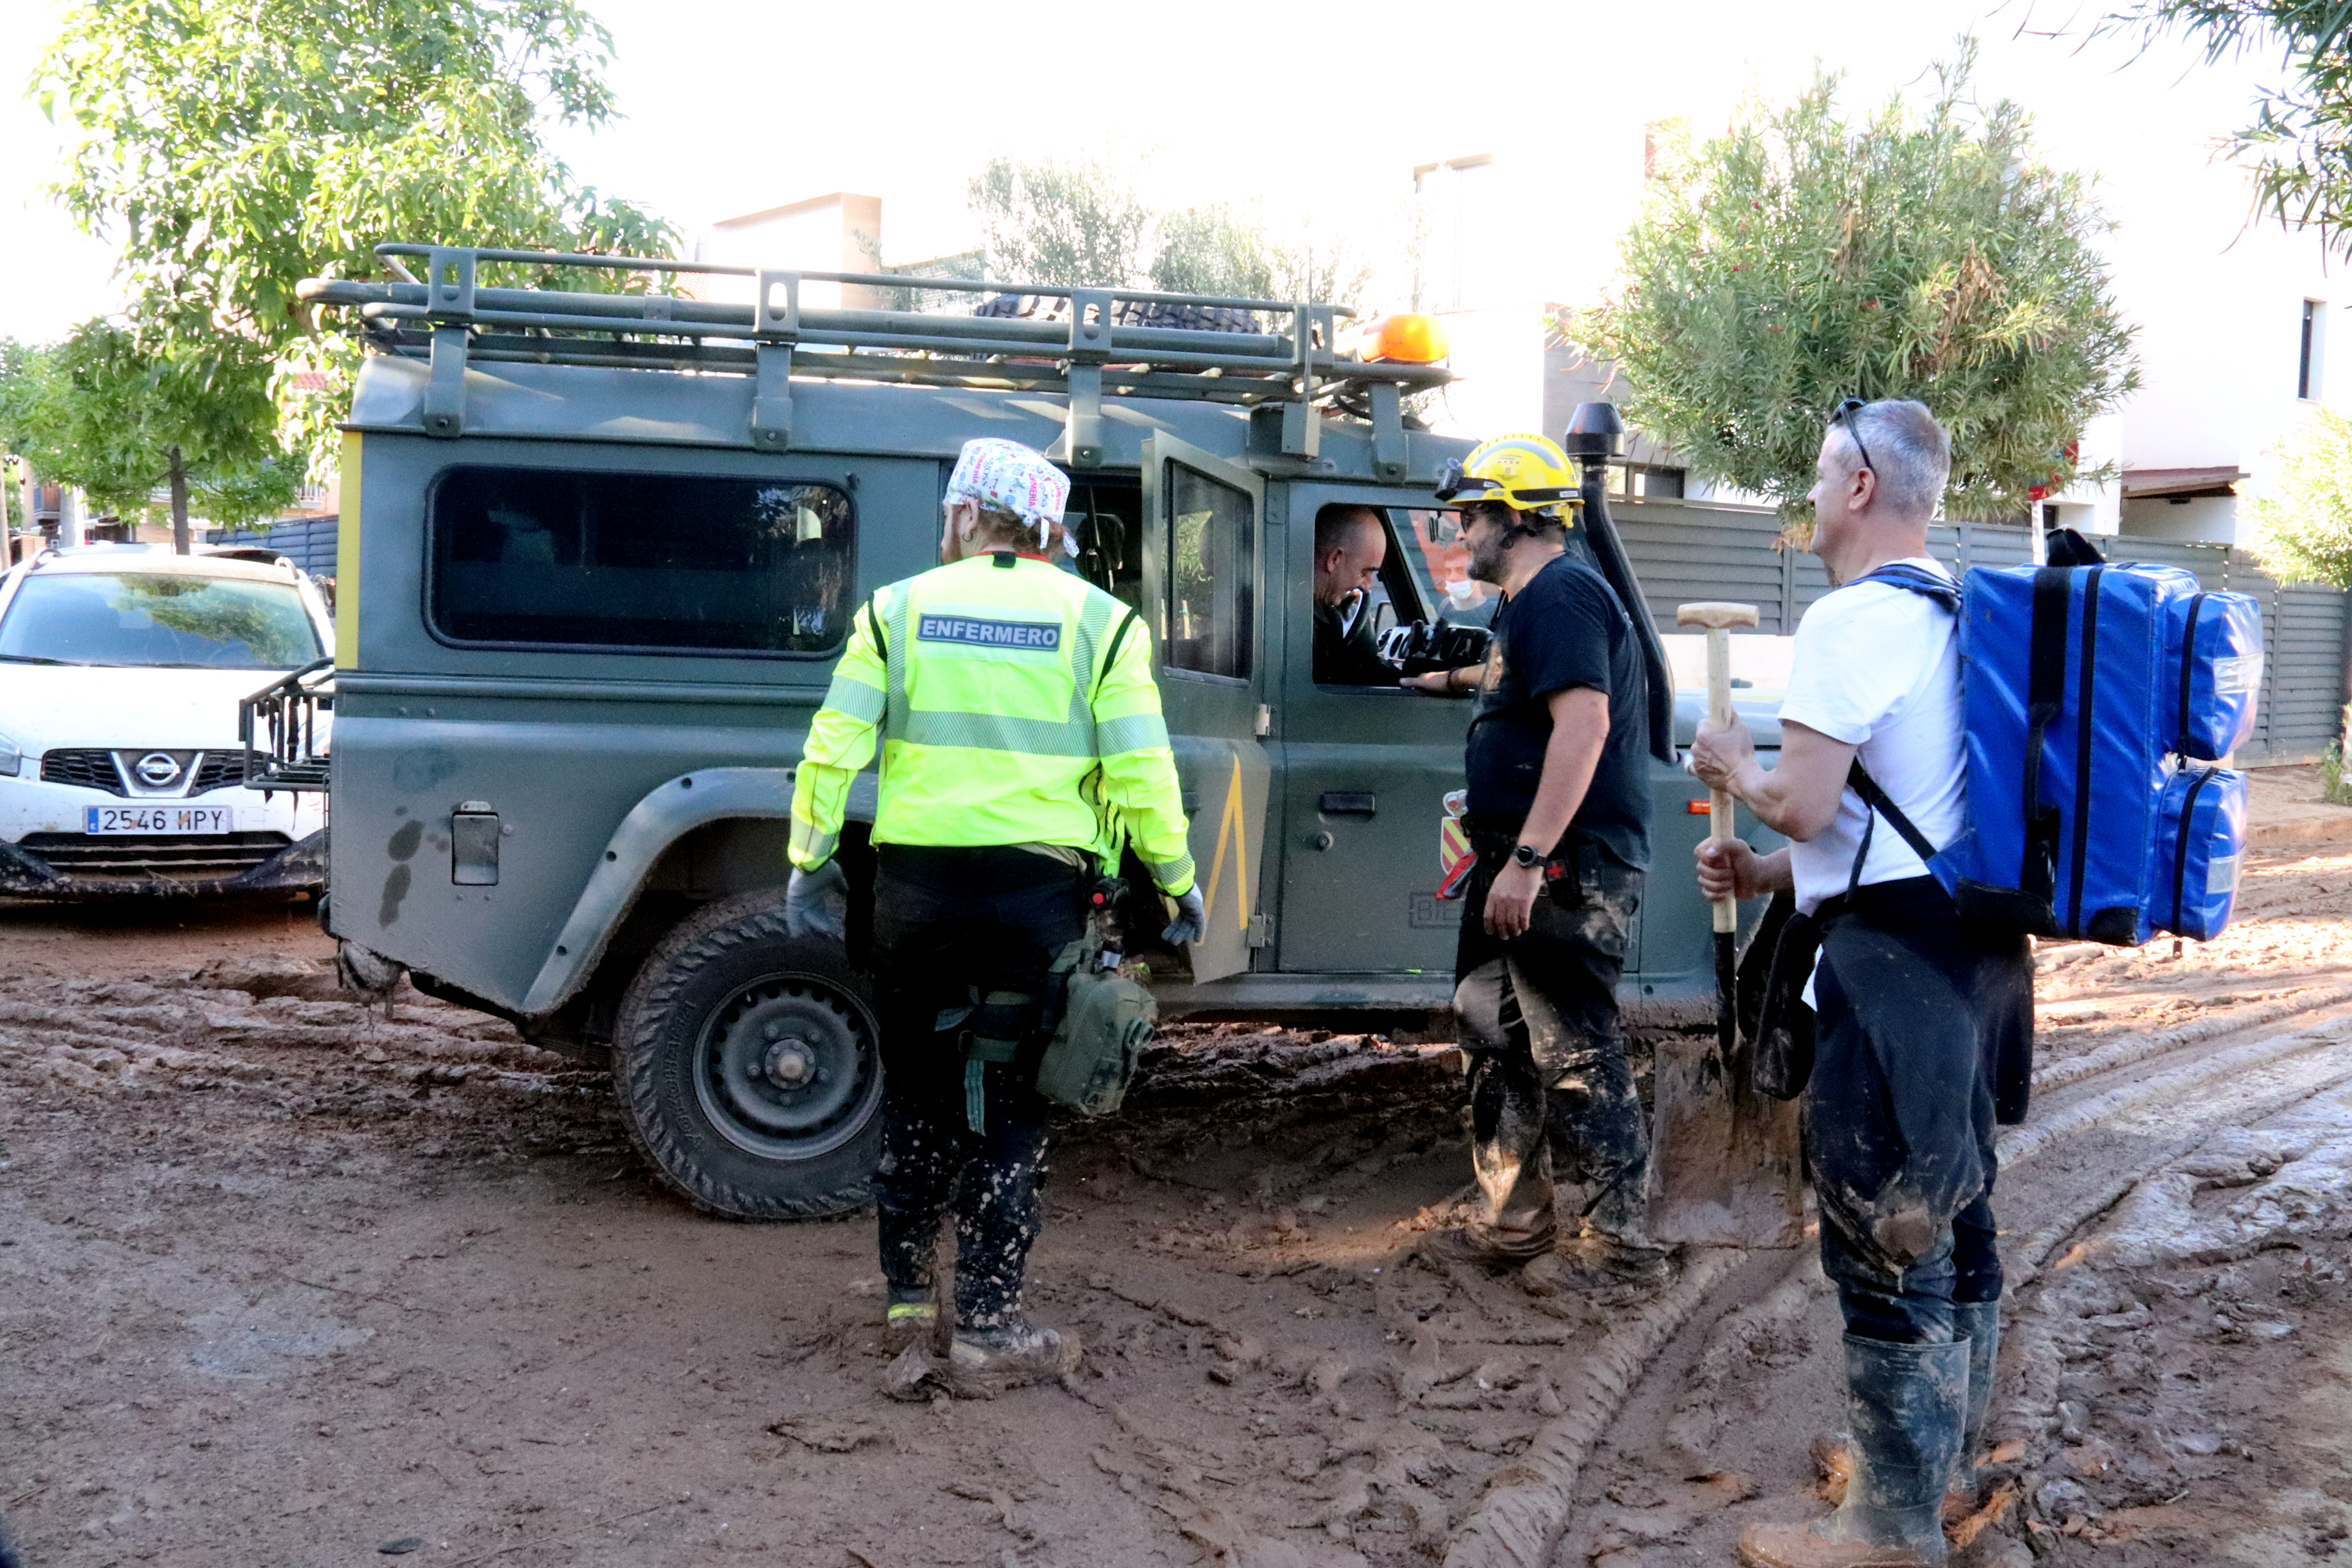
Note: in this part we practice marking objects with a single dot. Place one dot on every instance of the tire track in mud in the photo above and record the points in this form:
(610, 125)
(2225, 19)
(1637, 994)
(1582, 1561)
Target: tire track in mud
(2181, 1252)
(1525, 1510)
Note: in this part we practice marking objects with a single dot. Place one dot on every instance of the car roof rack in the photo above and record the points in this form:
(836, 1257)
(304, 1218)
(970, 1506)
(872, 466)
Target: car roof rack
(1106, 341)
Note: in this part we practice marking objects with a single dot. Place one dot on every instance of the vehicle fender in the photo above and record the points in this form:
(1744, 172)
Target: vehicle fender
(667, 814)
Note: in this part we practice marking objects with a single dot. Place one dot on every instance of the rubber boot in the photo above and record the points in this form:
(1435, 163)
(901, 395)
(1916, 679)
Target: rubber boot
(1979, 1322)
(1906, 1405)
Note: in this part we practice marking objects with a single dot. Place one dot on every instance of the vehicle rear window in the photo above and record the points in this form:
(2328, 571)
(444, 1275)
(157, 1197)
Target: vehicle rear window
(157, 621)
(665, 562)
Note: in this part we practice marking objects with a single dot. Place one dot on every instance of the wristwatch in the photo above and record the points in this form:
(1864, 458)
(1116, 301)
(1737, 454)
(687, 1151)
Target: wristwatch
(1526, 854)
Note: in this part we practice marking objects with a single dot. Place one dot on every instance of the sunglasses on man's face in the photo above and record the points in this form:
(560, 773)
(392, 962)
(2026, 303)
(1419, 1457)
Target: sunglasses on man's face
(1844, 415)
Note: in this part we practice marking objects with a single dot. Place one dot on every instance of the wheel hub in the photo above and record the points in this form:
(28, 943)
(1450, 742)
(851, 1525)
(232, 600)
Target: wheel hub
(789, 1067)
(790, 1063)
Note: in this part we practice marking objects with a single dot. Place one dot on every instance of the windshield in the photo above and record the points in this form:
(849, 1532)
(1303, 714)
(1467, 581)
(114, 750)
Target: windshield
(172, 622)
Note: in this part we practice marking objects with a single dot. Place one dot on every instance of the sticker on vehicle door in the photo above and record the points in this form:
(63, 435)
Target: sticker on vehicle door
(1453, 857)
(106, 819)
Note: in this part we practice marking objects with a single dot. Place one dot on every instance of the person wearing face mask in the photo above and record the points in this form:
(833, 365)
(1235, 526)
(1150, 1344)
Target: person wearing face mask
(1022, 747)
(1558, 820)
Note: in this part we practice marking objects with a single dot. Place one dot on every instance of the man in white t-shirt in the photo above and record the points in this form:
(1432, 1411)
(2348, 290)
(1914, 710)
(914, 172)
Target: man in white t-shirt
(1913, 1015)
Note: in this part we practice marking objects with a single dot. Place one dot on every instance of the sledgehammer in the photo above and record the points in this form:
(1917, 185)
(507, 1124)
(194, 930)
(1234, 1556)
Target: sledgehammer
(1725, 1171)
(1719, 619)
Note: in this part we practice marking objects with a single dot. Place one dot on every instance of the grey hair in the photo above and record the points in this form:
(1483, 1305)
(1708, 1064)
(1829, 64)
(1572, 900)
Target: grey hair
(1910, 451)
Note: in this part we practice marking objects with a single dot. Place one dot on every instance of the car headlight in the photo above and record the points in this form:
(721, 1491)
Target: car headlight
(11, 758)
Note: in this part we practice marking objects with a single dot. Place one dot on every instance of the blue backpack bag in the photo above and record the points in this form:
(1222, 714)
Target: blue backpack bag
(2096, 699)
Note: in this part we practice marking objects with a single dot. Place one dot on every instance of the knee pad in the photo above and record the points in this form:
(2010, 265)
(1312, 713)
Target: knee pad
(1478, 1005)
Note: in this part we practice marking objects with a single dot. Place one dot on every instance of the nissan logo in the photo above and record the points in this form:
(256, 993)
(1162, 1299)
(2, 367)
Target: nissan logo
(156, 769)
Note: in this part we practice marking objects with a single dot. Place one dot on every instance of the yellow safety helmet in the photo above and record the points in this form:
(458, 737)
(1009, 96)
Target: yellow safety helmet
(1526, 473)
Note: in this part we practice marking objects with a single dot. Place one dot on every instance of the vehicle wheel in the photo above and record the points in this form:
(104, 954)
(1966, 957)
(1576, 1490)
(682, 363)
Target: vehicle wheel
(749, 1067)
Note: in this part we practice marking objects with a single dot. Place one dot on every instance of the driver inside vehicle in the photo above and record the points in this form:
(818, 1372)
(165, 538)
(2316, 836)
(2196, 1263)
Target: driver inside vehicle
(1350, 544)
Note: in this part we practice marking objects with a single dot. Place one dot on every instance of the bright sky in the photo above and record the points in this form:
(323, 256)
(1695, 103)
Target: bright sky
(735, 105)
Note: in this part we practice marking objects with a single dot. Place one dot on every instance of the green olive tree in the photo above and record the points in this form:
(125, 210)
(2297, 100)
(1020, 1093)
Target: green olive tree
(1805, 257)
(1082, 222)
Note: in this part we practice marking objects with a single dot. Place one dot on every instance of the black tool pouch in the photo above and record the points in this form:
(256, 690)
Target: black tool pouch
(1783, 1027)
(1564, 873)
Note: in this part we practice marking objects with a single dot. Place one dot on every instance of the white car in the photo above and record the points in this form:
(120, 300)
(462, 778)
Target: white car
(121, 671)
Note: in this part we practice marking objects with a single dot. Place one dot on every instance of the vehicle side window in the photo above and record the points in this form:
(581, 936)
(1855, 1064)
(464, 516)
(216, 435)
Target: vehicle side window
(662, 562)
(1440, 563)
(1212, 569)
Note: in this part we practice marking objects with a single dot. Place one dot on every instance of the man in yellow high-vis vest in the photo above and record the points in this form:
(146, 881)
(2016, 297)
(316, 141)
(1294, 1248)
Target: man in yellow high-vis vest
(1022, 746)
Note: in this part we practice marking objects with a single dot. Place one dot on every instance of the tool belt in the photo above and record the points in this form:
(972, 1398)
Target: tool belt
(1079, 1039)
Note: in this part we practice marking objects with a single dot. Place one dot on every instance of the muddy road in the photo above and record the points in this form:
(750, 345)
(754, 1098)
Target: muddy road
(283, 1281)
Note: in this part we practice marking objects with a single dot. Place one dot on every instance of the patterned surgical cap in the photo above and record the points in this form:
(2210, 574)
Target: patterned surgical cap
(1005, 476)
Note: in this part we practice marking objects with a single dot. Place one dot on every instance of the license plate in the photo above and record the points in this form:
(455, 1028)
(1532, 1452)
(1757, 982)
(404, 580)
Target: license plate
(159, 819)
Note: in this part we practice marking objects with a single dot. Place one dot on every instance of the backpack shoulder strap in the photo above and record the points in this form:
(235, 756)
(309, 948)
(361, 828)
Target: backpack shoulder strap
(1858, 779)
(1127, 624)
(1944, 591)
(1917, 580)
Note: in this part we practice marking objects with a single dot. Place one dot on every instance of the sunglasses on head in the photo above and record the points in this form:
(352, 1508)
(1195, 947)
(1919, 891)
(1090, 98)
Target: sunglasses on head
(1844, 415)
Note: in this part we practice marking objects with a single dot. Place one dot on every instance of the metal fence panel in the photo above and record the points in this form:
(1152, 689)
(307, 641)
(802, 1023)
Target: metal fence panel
(307, 542)
(2304, 645)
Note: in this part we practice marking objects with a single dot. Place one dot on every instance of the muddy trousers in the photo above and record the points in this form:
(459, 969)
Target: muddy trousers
(1551, 1094)
(947, 923)
(1899, 1115)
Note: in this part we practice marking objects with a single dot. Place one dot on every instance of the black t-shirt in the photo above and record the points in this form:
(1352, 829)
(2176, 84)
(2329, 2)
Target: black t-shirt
(1564, 629)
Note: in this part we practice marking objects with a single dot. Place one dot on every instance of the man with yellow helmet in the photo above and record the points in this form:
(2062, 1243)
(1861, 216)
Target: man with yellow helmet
(1558, 818)
(1022, 745)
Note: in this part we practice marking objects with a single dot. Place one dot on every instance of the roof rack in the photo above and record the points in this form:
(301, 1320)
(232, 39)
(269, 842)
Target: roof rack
(1098, 347)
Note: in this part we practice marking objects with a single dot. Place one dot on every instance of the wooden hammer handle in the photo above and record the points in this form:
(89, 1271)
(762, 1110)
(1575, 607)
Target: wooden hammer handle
(1719, 715)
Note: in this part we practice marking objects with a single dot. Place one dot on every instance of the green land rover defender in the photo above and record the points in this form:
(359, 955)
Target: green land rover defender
(598, 552)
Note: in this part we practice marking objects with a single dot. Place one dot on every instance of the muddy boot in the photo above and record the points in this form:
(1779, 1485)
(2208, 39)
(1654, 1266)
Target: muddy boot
(1906, 1405)
(1597, 1262)
(912, 1319)
(1484, 1246)
(1615, 1248)
(983, 1362)
(1980, 1323)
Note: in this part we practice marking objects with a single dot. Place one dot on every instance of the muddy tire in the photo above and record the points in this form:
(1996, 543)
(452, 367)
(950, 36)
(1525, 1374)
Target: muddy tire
(748, 1066)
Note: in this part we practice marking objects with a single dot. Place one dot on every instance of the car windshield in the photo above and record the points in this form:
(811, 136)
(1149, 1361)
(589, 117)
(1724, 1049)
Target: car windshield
(157, 621)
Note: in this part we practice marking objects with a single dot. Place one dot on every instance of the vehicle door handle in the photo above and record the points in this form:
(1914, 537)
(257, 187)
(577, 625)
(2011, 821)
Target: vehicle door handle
(1348, 803)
